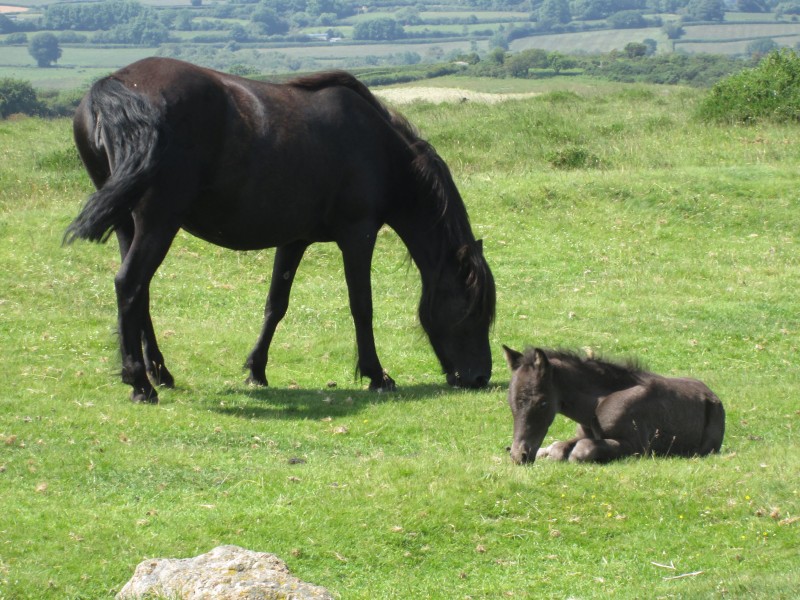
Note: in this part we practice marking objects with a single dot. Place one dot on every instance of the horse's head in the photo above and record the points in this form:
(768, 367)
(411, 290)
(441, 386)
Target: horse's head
(533, 401)
(456, 312)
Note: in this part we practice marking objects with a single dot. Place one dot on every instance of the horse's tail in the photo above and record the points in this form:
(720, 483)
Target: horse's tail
(121, 127)
(714, 428)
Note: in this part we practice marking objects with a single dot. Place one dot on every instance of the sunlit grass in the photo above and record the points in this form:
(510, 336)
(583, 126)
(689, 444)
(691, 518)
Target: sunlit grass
(678, 249)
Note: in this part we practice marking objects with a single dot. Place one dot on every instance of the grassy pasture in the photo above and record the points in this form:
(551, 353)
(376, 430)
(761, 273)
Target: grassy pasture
(611, 221)
(590, 42)
(734, 38)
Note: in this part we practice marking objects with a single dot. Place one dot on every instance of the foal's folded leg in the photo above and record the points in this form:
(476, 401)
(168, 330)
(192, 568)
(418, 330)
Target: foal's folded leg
(557, 450)
(563, 450)
(589, 450)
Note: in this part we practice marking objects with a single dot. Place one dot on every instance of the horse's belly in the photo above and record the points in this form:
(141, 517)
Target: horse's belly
(257, 229)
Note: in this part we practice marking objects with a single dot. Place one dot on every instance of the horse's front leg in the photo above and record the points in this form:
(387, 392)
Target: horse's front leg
(563, 450)
(357, 248)
(153, 358)
(132, 283)
(284, 267)
(600, 451)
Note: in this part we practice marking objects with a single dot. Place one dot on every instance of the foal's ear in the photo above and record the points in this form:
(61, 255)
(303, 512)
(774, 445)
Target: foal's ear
(513, 358)
(540, 360)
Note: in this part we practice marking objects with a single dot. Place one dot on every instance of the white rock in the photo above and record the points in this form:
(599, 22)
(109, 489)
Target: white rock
(225, 573)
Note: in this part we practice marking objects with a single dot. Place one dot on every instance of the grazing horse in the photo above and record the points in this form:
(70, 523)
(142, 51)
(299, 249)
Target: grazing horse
(249, 165)
(620, 410)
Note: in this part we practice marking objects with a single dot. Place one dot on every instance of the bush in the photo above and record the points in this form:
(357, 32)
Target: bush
(383, 29)
(17, 39)
(17, 96)
(770, 91)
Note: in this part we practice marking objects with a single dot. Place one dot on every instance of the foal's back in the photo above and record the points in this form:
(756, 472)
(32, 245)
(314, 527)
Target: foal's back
(663, 416)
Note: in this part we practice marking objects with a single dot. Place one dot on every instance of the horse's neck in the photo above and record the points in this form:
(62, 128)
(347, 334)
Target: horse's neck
(575, 403)
(423, 238)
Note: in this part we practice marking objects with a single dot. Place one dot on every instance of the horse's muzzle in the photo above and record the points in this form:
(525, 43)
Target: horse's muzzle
(521, 454)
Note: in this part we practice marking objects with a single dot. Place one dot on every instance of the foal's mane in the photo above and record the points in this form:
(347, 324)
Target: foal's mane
(435, 180)
(609, 372)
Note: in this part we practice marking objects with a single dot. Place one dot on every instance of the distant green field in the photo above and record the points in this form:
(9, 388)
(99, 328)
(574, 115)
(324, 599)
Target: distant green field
(722, 38)
(77, 66)
(481, 16)
(740, 30)
(590, 42)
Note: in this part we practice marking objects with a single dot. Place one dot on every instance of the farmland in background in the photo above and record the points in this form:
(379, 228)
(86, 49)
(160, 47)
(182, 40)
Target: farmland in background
(442, 34)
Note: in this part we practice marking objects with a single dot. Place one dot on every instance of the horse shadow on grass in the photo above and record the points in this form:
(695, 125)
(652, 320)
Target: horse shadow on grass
(288, 403)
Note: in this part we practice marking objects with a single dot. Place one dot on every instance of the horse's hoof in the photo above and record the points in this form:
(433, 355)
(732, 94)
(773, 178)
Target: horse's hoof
(166, 379)
(160, 377)
(385, 384)
(144, 397)
(257, 381)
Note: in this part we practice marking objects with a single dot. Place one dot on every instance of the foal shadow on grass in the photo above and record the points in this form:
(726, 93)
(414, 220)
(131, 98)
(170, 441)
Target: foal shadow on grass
(282, 403)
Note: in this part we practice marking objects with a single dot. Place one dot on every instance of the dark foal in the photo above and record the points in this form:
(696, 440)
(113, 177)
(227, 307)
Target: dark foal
(250, 165)
(620, 410)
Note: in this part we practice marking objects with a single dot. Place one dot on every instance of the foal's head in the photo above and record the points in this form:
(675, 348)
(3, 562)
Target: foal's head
(533, 400)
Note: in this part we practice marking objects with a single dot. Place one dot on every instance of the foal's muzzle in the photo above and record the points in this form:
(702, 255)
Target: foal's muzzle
(521, 453)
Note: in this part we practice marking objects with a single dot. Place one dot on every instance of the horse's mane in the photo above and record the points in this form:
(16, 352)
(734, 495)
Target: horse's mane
(612, 373)
(436, 180)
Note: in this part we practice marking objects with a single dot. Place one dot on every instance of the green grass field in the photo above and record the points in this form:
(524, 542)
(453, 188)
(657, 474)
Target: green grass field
(612, 220)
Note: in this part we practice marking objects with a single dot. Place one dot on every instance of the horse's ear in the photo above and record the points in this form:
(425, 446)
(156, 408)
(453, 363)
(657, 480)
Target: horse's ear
(513, 358)
(540, 360)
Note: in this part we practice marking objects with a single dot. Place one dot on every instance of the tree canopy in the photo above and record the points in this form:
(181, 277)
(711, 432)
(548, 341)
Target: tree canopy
(44, 48)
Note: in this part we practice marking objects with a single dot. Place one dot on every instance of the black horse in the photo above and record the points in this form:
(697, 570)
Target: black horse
(249, 165)
(621, 410)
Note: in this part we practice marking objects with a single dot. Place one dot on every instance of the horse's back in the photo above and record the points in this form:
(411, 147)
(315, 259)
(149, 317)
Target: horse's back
(248, 165)
(665, 416)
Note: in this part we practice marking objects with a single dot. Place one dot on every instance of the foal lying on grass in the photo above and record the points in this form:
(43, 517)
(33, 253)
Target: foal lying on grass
(620, 410)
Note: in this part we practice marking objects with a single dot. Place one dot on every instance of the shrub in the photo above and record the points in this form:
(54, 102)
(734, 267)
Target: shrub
(17, 96)
(378, 29)
(18, 39)
(770, 91)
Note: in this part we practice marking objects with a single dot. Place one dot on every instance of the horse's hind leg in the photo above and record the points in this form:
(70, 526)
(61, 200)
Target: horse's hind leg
(600, 451)
(287, 259)
(153, 358)
(145, 253)
(562, 450)
(714, 429)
